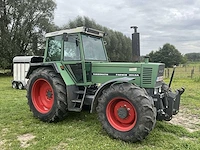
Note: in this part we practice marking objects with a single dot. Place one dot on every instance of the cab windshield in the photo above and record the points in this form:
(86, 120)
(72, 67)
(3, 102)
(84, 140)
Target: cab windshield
(93, 48)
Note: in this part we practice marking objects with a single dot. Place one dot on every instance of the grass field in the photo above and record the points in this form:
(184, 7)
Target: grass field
(20, 130)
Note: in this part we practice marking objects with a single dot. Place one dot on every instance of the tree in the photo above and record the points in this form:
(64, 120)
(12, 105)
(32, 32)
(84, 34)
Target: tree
(168, 54)
(22, 23)
(193, 56)
(118, 45)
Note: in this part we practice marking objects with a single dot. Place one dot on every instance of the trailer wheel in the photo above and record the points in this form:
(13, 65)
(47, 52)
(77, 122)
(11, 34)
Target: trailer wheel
(20, 86)
(14, 85)
(126, 112)
(46, 95)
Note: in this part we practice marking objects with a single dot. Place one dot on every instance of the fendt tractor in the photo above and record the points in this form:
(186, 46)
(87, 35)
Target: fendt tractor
(76, 72)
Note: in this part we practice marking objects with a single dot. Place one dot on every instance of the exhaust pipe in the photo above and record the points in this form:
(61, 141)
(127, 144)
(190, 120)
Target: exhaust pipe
(135, 45)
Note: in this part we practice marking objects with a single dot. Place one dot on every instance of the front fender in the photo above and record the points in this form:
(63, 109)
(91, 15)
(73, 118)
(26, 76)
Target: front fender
(105, 86)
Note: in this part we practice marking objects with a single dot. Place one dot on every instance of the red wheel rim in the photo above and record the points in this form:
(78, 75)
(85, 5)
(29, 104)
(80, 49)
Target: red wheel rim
(42, 95)
(124, 121)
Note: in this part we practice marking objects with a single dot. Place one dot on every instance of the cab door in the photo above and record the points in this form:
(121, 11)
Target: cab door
(73, 59)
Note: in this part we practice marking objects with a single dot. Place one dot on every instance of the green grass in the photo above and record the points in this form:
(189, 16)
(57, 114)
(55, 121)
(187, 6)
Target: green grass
(83, 130)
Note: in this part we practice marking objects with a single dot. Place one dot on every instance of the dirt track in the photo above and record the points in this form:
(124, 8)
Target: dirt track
(185, 119)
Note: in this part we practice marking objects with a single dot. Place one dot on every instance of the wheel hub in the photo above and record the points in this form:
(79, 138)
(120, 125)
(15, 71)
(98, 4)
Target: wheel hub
(42, 95)
(49, 94)
(122, 112)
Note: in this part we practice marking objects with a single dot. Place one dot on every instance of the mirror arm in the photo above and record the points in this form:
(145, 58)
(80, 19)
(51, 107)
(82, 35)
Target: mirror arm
(65, 37)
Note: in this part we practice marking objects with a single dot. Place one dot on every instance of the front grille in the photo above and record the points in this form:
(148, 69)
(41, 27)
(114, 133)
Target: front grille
(147, 73)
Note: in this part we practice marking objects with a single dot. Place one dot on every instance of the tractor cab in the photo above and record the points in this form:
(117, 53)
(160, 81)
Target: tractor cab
(76, 49)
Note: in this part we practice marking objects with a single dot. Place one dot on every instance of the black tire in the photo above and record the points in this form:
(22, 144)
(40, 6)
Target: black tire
(118, 103)
(46, 95)
(14, 85)
(20, 86)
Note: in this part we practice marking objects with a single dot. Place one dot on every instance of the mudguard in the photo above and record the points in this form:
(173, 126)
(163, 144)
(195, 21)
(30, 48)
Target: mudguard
(104, 86)
(34, 66)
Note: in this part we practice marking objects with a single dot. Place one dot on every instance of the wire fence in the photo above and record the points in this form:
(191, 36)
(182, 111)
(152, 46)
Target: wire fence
(184, 71)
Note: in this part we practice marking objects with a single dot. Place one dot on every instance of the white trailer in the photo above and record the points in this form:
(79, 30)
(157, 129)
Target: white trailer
(21, 66)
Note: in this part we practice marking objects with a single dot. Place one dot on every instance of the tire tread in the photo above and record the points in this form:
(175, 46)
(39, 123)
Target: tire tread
(145, 122)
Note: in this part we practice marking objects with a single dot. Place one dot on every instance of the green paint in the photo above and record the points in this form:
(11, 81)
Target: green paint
(88, 70)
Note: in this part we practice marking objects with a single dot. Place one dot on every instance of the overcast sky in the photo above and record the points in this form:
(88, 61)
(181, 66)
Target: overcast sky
(159, 21)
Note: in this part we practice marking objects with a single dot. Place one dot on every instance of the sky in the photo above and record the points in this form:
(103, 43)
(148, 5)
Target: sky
(159, 21)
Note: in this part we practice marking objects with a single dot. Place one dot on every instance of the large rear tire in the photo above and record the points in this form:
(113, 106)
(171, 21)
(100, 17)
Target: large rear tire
(126, 112)
(46, 95)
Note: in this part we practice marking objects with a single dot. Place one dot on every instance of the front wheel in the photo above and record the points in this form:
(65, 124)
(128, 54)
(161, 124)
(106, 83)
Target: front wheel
(126, 112)
(46, 95)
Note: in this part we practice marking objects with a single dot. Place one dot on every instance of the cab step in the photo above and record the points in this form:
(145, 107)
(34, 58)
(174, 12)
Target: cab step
(76, 100)
(75, 109)
(79, 92)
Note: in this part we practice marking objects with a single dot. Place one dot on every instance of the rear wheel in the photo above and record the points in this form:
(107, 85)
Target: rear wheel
(126, 112)
(46, 95)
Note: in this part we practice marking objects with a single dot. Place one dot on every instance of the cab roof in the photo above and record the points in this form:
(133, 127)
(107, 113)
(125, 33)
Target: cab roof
(77, 30)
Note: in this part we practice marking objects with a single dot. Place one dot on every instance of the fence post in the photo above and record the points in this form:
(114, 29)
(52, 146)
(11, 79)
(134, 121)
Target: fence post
(192, 72)
(167, 72)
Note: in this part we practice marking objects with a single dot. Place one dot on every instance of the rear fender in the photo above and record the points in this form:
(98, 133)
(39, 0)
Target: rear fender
(34, 66)
(105, 86)
(55, 66)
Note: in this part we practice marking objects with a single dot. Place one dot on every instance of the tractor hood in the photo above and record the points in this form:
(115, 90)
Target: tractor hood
(147, 75)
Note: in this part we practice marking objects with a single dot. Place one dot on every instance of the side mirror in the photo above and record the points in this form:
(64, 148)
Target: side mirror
(65, 37)
(105, 43)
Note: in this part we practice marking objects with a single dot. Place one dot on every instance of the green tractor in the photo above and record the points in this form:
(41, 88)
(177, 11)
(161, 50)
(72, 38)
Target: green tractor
(76, 71)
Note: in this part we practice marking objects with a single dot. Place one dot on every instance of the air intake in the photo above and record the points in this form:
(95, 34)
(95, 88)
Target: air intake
(147, 74)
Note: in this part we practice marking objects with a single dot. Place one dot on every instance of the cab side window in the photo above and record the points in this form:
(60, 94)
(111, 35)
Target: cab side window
(54, 48)
(71, 48)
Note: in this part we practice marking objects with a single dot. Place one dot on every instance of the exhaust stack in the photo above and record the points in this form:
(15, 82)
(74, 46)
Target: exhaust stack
(135, 45)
